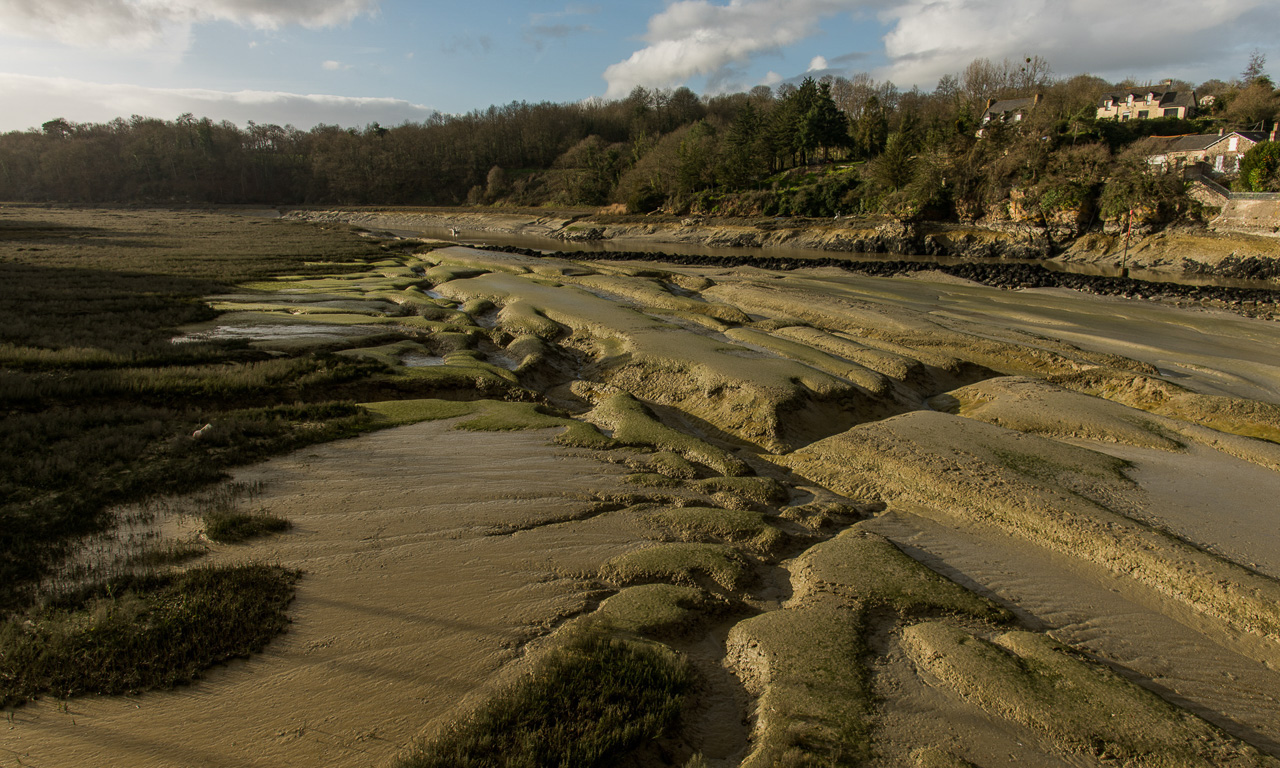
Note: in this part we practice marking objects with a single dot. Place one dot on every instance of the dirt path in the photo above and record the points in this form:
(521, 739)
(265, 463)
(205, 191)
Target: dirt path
(407, 607)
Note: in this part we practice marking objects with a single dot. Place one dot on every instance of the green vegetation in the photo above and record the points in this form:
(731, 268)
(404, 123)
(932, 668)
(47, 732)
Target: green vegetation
(138, 633)
(588, 703)
(1260, 167)
(490, 416)
(398, 412)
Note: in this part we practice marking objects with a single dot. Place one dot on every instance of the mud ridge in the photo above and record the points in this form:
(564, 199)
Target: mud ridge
(1249, 301)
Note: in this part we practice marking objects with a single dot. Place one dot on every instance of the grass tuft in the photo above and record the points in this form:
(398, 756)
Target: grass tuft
(587, 704)
(227, 527)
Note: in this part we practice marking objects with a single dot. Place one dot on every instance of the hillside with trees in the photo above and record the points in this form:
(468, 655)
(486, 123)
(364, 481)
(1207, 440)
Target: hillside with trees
(852, 146)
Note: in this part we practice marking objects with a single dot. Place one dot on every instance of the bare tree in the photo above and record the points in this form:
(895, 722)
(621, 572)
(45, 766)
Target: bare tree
(1256, 69)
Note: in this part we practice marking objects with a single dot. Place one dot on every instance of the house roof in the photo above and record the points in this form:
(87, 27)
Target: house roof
(1191, 143)
(1005, 106)
(1254, 136)
(1198, 142)
(1164, 98)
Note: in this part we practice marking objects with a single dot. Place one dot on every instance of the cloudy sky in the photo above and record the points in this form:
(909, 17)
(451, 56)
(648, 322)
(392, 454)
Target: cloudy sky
(352, 62)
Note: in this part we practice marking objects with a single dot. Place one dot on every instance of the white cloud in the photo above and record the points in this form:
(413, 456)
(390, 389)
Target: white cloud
(334, 66)
(695, 37)
(926, 39)
(83, 102)
(932, 37)
(149, 24)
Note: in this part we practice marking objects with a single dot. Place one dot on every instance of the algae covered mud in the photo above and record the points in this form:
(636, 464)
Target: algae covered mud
(825, 518)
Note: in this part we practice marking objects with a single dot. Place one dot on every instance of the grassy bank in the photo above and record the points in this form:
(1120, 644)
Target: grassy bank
(99, 405)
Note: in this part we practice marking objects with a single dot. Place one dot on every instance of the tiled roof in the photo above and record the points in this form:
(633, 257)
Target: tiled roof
(1163, 98)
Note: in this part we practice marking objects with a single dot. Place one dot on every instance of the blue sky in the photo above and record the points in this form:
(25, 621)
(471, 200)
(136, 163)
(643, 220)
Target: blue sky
(352, 62)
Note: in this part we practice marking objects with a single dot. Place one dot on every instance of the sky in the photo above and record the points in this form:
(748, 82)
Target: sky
(355, 62)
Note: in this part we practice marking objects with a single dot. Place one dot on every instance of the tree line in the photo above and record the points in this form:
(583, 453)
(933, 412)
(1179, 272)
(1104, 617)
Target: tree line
(819, 147)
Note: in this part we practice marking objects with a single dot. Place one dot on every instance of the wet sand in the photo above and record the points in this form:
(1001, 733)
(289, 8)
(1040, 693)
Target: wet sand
(408, 604)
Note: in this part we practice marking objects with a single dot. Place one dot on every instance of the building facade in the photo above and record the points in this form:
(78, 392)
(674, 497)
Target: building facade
(1217, 153)
(1147, 103)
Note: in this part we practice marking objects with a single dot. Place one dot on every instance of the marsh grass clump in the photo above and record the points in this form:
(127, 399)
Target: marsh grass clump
(587, 704)
(729, 525)
(229, 527)
(500, 416)
(672, 465)
(398, 412)
(490, 416)
(138, 633)
(684, 563)
(655, 609)
(163, 554)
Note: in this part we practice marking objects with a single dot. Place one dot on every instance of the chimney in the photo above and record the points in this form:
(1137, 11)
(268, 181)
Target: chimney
(1272, 137)
(1168, 83)
(1222, 131)
(1039, 96)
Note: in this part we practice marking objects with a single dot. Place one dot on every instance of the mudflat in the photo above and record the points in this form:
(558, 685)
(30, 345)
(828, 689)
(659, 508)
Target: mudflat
(886, 521)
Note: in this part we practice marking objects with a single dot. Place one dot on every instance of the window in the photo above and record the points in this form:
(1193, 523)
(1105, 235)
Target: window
(1233, 144)
(1172, 112)
(1142, 114)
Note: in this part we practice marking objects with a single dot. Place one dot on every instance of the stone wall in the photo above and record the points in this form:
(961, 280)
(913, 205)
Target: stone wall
(1256, 214)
